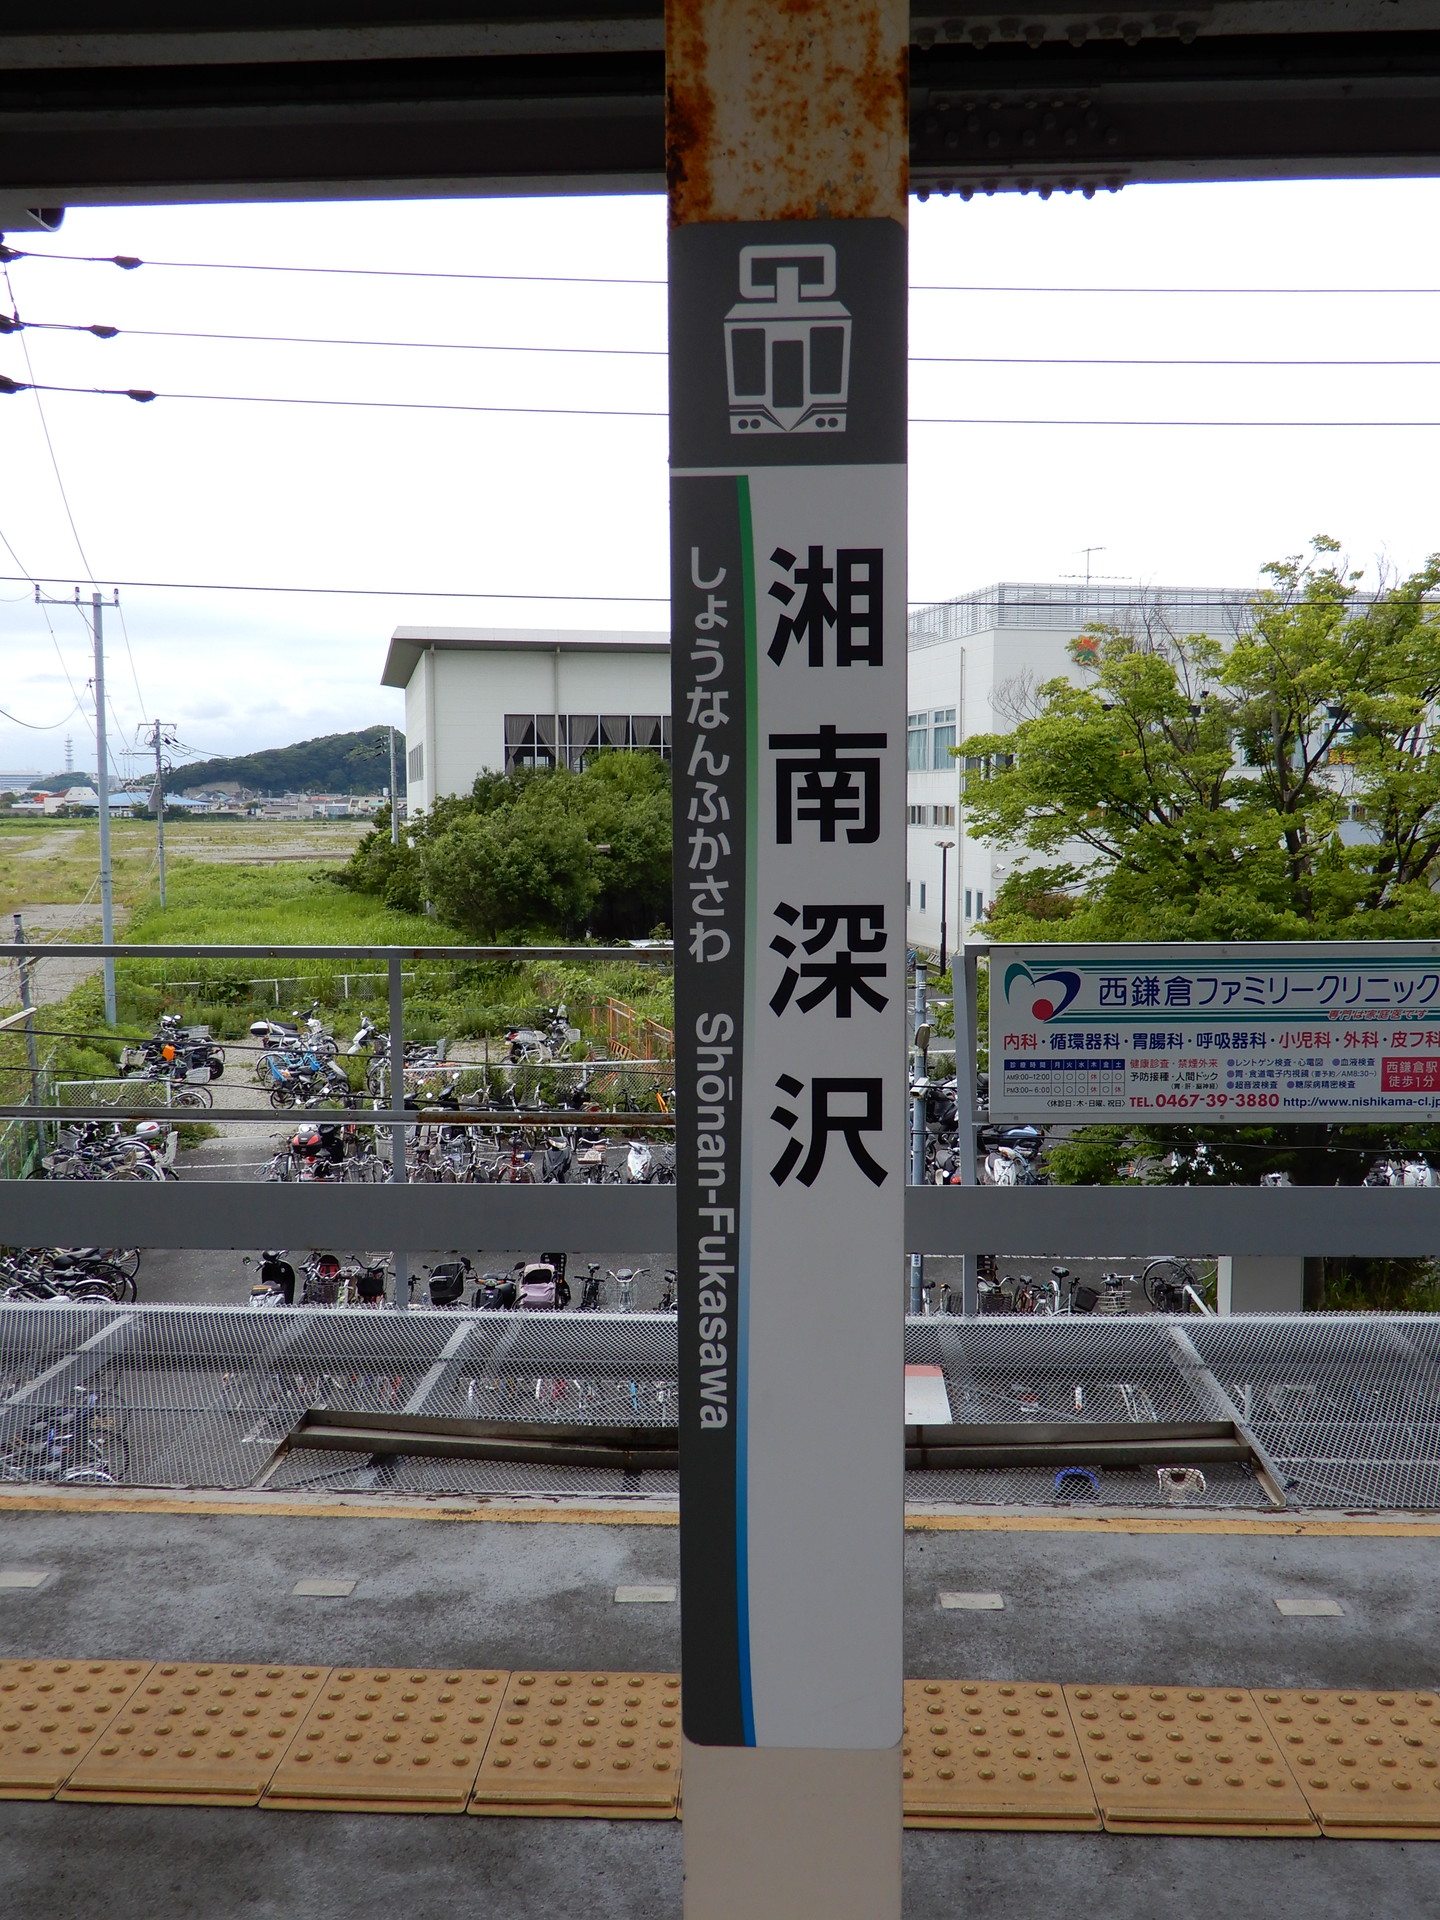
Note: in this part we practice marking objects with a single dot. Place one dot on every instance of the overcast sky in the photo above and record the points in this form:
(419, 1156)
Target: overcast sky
(210, 492)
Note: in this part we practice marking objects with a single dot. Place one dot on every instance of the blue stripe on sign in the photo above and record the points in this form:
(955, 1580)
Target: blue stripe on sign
(1082, 1063)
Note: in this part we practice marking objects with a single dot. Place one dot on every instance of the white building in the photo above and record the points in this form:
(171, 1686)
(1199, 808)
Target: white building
(974, 664)
(504, 697)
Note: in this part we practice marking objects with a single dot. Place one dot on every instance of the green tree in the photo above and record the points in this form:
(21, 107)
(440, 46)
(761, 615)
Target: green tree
(1284, 786)
(1215, 788)
(536, 854)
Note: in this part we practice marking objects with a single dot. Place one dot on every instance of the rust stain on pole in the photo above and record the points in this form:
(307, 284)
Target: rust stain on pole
(787, 109)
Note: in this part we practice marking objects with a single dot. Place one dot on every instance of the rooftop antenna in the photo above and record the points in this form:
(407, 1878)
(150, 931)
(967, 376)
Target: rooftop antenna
(1089, 574)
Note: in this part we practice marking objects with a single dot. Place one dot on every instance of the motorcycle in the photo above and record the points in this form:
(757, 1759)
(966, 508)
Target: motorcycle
(1009, 1156)
(174, 1051)
(642, 1167)
(497, 1292)
(1402, 1173)
(319, 1151)
(305, 1030)
(541, 1286)
(535, 1045)
(276, 1285)
(556, 1161)
(300, 1078)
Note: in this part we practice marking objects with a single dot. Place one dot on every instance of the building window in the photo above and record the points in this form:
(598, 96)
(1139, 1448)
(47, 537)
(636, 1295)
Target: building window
(415, 761)
(922, 896)
(944, 737)
(969, 915)
(915, 816)
(917, 743)
(907, 893)
(569, 739)
(979, 903)
(942, 816)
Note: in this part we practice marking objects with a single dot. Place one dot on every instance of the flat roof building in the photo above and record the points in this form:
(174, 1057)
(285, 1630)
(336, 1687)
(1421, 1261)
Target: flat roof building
(974, 665)
(496, 698)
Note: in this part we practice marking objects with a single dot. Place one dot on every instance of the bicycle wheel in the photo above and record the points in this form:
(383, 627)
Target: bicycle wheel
(1165, 1272)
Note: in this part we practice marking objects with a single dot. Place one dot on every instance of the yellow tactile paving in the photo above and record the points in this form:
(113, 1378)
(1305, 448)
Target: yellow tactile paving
(389, 1740)
(987, 1754)
(1368, 1763)
(588, 1744)
(198, 1736)
(51, 1714)
(1185, 1760)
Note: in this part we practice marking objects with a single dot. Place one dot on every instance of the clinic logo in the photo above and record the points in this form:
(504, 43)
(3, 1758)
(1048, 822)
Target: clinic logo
(787, 343)
(1052, 992)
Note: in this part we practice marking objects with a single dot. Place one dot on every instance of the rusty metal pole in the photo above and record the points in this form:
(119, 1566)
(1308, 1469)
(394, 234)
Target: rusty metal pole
(787, 147)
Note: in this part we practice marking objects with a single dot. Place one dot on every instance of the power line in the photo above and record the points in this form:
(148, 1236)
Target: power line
(129, 262)
(418, 593)
(50, 445)
(34, 726)
(366, 593)
(146, 394)
(311, 340)
(661, 353)
(920, 420)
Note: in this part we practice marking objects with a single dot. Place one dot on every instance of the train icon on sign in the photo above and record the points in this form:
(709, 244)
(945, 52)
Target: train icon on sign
(787, 343)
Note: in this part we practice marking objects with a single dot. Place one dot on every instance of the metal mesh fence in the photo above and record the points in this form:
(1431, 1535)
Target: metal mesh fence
(112, 1093)
(1347, 1406)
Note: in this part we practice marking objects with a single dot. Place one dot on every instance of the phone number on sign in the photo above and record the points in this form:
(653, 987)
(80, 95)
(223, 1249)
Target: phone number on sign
(1205, 1100)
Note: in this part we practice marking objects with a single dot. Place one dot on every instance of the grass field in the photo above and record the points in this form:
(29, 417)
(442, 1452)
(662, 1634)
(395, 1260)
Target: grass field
(260, 883)
(57, 862)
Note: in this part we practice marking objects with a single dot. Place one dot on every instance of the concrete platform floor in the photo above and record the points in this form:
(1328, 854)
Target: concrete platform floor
(1079, 1606)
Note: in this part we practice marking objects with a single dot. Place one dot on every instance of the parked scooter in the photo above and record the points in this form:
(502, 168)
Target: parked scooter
(542, 1286)
(276, 1285)
(305, 1030)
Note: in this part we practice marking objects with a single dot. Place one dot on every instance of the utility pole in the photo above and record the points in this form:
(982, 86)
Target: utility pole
(158, 738)
(102, 785)
(394, 796)
(27, 1004)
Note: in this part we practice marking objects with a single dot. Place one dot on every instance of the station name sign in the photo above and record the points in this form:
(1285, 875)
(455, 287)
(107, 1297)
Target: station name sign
(1222, 1031)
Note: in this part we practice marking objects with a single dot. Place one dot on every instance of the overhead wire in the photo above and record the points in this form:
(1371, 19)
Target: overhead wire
(49, 444)
(146, 394)
(35, 726)
(129, 262)
(662, 353)
(64, 496)
(372, 593)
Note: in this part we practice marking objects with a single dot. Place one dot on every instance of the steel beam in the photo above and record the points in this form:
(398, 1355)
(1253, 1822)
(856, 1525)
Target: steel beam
(572, 100)
(219, 1214)
(1127, 1221)
(1119, 1222)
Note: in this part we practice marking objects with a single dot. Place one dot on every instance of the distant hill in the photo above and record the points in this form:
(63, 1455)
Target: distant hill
(334, 763)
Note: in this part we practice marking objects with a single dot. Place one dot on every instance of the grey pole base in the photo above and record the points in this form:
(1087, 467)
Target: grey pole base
(792, 1833)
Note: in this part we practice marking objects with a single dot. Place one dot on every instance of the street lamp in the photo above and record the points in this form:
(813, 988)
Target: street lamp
(944, 846)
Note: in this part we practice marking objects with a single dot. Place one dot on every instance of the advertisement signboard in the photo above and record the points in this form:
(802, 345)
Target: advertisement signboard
(1216, 1032)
